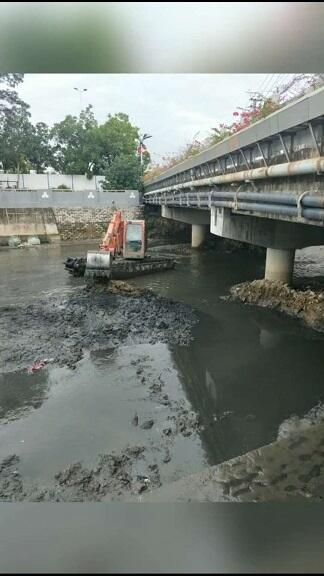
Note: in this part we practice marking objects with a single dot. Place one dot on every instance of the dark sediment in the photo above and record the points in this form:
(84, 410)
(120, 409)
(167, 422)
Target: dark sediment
(61, 327)
(304, 303)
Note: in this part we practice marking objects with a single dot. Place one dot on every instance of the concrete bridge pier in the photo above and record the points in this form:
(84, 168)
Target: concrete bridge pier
(280, 238)
(198, 235)
(198, 219)
(279, 265)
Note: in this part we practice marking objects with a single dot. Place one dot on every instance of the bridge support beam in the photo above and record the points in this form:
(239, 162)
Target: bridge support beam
(279, 265)
(198, 235)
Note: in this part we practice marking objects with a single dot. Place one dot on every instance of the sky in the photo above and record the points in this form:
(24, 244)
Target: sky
(173, 108)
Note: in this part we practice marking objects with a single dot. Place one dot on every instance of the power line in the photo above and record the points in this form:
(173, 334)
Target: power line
(263, 82)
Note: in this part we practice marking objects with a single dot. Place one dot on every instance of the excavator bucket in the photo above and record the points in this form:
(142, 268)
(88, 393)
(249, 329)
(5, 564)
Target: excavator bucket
(98, 265)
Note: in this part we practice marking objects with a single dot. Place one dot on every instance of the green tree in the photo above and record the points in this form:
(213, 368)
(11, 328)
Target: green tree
(9, 99)
(16, 136)
(120, 162)
(39, 150)
(124, 172)
(15, 127)
(76, 143)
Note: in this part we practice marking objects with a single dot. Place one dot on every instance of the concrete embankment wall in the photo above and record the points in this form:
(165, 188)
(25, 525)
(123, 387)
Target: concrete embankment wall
(87, 223)
(55, 224)
(55, 215)
(26, 222)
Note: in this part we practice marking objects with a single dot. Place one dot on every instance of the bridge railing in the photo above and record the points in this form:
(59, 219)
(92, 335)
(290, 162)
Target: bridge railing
(307, 207)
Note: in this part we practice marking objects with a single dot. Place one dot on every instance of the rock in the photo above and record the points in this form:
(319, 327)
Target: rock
(147, 425)
(135, 419)
(166, 457)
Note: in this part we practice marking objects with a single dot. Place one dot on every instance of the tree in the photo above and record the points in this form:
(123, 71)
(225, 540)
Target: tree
(39, 150)
(76, 143)
(121, 165)
(15, 127)
(125, 171)
(190, 149)
(117, 136)
(16, 135)
(9, 99)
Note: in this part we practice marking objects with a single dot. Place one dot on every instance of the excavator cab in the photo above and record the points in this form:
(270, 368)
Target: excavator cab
(134, 239)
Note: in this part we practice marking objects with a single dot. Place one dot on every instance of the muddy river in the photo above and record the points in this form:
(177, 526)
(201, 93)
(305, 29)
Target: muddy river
(244, 371)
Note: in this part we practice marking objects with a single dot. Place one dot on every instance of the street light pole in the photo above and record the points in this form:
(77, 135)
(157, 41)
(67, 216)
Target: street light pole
(80, 90)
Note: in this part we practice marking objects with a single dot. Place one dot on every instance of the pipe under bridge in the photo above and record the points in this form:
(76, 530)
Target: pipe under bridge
(263, 185)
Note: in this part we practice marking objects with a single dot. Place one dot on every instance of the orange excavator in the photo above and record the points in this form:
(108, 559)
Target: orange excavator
(126, 237)
(121, 253)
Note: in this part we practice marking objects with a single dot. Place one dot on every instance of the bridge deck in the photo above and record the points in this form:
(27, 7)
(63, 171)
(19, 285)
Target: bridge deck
(292, 133)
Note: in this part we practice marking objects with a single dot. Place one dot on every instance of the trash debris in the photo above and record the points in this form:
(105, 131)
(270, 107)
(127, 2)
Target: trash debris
(14, 241)
(33, 241)
(38, 365)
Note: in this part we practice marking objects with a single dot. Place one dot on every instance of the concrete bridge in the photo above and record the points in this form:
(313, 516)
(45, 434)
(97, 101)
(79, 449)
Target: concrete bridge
(263, 185)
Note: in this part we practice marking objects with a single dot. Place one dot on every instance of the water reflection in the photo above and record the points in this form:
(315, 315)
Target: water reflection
(20, 393)
(245, 383)
(102, 358)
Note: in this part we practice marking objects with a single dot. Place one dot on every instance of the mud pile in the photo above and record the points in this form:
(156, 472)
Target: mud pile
(131, 471)
(306, 304)
(61, 326)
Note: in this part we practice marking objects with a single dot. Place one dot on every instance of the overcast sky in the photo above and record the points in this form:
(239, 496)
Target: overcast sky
(173, 108)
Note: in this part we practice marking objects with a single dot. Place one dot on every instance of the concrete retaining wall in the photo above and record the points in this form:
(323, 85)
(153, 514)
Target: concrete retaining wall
(59, 223)
(87, 223)
(43, 198)
(66, 215)
(27, 222)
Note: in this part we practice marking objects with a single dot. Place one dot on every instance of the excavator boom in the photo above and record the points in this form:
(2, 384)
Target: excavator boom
(113, 239)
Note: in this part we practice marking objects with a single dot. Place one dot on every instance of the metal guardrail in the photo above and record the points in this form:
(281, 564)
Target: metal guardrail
(305, 208)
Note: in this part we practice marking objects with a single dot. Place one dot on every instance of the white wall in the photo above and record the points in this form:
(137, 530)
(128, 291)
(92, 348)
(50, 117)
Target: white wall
(41, 181)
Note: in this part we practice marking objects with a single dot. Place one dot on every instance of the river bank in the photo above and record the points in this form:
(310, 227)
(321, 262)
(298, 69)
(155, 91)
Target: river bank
(289, 469)
(304, 303)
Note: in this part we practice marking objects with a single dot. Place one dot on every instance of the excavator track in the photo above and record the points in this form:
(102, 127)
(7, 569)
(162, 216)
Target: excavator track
(121, 268)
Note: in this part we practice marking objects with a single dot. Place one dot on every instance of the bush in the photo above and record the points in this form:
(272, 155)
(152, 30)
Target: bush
(63, 187)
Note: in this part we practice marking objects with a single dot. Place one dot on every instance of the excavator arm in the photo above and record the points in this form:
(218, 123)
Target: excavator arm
(113, 239)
